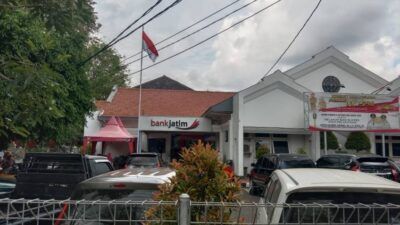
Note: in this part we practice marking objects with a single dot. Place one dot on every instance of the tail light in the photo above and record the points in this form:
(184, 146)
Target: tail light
(119, 185)
(395, 174)
(356, 168)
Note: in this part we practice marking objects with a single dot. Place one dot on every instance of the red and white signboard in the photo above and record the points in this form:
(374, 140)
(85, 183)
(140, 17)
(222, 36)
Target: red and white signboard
(351, 112)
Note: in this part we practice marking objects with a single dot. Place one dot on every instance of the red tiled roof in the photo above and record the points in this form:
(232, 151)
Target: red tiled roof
(159, 102)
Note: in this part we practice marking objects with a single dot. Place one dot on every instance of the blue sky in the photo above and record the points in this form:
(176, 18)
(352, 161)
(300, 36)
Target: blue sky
(366, 30)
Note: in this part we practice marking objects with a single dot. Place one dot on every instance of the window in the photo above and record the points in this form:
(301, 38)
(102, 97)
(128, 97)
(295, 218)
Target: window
(101, 168)
(156, 145)
(281, 147)
(226, 136)
(396, 149)
(261, 135)
(280, 135)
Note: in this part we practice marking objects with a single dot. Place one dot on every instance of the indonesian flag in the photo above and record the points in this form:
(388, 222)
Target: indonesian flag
(148, 46)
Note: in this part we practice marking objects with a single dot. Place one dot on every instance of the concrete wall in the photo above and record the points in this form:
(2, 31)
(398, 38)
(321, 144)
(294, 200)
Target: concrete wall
(274, 109)
(353, 84)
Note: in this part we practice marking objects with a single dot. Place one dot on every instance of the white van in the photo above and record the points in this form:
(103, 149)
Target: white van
(319, 188)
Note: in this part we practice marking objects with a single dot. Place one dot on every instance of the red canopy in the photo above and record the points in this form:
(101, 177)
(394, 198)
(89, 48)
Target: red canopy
(113, 131)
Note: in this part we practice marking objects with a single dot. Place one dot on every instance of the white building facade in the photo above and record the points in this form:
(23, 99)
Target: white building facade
(270, 114)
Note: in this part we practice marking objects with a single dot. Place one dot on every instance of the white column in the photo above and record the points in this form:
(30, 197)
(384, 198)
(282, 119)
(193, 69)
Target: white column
(315, 145)
(239, 165)
(220, 144)
(231, 140)
(371, 136)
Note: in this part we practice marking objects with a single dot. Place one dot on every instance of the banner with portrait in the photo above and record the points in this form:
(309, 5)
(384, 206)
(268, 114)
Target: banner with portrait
(352, 112)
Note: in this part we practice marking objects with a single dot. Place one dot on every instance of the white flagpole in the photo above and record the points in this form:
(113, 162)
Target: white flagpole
(139, 136)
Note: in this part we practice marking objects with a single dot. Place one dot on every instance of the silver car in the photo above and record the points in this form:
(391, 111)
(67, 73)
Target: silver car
(132, 184)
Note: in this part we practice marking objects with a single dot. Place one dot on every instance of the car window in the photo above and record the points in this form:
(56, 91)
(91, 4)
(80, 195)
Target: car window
(259, 162)
(143, 160)
(297, 163)
(271, 195)
(265, 163)
(272, 163)
(101, 167)
(327, 215)
(345, 160)
(328, 162)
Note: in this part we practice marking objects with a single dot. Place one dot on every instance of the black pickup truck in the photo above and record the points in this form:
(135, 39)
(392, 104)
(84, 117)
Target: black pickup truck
(55, 175)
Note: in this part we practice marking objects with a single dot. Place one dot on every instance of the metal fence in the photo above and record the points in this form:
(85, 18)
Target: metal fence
(185, 212)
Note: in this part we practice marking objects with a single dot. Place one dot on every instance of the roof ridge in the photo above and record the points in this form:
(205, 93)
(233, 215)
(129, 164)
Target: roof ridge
(174, 90)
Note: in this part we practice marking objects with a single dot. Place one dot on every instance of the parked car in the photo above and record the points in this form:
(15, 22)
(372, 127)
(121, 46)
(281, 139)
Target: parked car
(267, 164)
(147, 159)
(131, 184)
(375, 164)
(55, 175)
(325, 186)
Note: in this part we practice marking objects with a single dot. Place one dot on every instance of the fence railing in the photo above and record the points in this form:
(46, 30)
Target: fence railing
(185, 212)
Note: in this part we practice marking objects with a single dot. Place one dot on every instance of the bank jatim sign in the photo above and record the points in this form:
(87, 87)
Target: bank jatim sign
(196, 124)
(352, 112)
(178, 124)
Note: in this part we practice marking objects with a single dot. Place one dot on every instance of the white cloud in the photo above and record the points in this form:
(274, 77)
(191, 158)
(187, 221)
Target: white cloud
(366, 30)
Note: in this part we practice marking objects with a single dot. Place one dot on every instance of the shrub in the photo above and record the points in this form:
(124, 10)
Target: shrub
(262, 150)
(358, 141)
(331, 140)
(200, 174)
(302, 151)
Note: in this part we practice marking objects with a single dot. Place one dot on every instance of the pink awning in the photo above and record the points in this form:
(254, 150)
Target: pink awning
(114, 130)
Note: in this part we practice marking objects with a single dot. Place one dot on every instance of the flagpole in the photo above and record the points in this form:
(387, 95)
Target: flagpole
(139, 136)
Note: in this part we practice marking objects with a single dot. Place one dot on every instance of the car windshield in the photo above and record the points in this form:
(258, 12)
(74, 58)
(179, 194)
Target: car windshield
(143, 160)
(318, 214)
(118, 211)
(297, 163)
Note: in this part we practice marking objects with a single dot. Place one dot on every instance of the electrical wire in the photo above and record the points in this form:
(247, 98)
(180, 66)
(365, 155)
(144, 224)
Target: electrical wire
(293, 40)
(131, 32)
(198, 30)
(210, 37)
(188, 27)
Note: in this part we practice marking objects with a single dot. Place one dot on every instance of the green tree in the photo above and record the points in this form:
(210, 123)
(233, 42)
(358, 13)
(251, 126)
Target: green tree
(331, 140)
(43, 93)
(358, 141)
(105, 71)
(201, 175)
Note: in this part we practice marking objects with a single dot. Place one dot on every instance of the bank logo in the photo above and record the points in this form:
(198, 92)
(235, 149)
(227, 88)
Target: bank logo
(178, 124)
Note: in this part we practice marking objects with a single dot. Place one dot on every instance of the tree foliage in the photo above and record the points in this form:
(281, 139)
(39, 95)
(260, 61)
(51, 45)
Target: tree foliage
(201, 175)
(358, 141)
(105, 71)
(331, 140)
(44, 93)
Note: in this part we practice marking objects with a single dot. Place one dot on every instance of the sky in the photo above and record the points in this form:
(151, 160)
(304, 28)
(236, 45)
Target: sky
(366, 30)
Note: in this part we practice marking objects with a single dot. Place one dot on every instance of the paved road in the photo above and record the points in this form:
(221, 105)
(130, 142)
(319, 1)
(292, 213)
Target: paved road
(246, 213)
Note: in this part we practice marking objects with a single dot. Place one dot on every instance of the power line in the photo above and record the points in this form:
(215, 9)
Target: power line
(130, 25)
(188, 27)
(295, 37)
(210, 37)
(198, 30)
(131, 32)
(109, 44)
